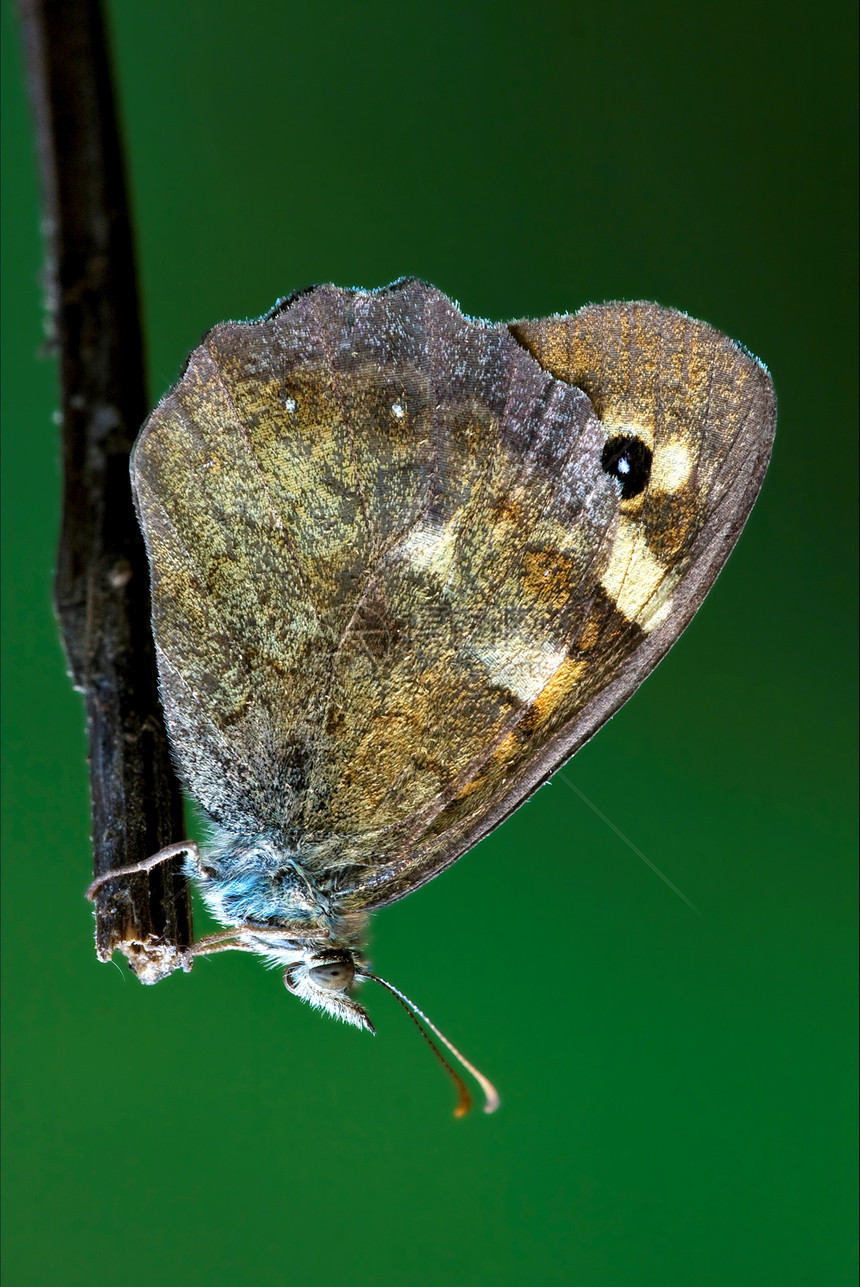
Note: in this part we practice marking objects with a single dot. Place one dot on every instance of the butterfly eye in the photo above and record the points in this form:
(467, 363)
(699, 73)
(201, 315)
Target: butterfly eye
(629, 460)
(333, 975)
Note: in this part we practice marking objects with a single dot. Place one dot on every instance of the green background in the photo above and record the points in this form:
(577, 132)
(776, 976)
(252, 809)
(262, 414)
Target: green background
(677, 1089)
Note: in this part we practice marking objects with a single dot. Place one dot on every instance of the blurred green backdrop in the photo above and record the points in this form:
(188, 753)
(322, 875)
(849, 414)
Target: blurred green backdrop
(677, 1089)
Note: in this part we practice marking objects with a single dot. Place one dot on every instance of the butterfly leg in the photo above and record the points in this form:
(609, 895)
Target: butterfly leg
(212, 943)
(154, 860)
(225, 940)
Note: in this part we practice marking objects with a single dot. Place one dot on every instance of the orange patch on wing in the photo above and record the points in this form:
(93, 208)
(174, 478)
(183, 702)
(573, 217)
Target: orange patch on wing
(559, 687)
(548, 575)
(507, 748)
(590, 634)
(553, 695)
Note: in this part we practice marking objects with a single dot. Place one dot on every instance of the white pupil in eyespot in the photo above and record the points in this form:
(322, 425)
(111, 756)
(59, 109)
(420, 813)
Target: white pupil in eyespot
(623, 465)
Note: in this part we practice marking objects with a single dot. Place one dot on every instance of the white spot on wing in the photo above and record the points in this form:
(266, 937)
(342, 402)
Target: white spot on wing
(671, 465)
(521, 665)
(662, 606)
(290, 405)
(430, 548)
(397, 410)
(640, 584)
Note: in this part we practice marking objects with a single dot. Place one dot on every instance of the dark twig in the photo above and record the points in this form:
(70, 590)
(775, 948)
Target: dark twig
(102, 591)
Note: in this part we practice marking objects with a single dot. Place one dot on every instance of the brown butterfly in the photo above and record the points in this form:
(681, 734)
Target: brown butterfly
(404, 564)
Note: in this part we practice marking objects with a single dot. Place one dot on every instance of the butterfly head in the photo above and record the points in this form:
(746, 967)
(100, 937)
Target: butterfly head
(323, 977)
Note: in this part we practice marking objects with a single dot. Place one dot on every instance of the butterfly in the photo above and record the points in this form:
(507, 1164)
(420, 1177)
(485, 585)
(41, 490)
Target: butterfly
(404, 564)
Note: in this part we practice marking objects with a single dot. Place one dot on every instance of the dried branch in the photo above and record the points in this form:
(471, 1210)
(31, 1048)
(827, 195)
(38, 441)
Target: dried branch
(102, 585)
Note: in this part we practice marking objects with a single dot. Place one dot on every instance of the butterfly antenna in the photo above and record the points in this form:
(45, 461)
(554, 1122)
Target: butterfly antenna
(491, 1095)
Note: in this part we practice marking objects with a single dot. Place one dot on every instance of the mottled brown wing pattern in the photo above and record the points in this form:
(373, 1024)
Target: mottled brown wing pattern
(394, 584)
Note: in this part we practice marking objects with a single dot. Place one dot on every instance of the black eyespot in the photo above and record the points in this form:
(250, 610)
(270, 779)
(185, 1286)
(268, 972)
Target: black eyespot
(629, 460)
